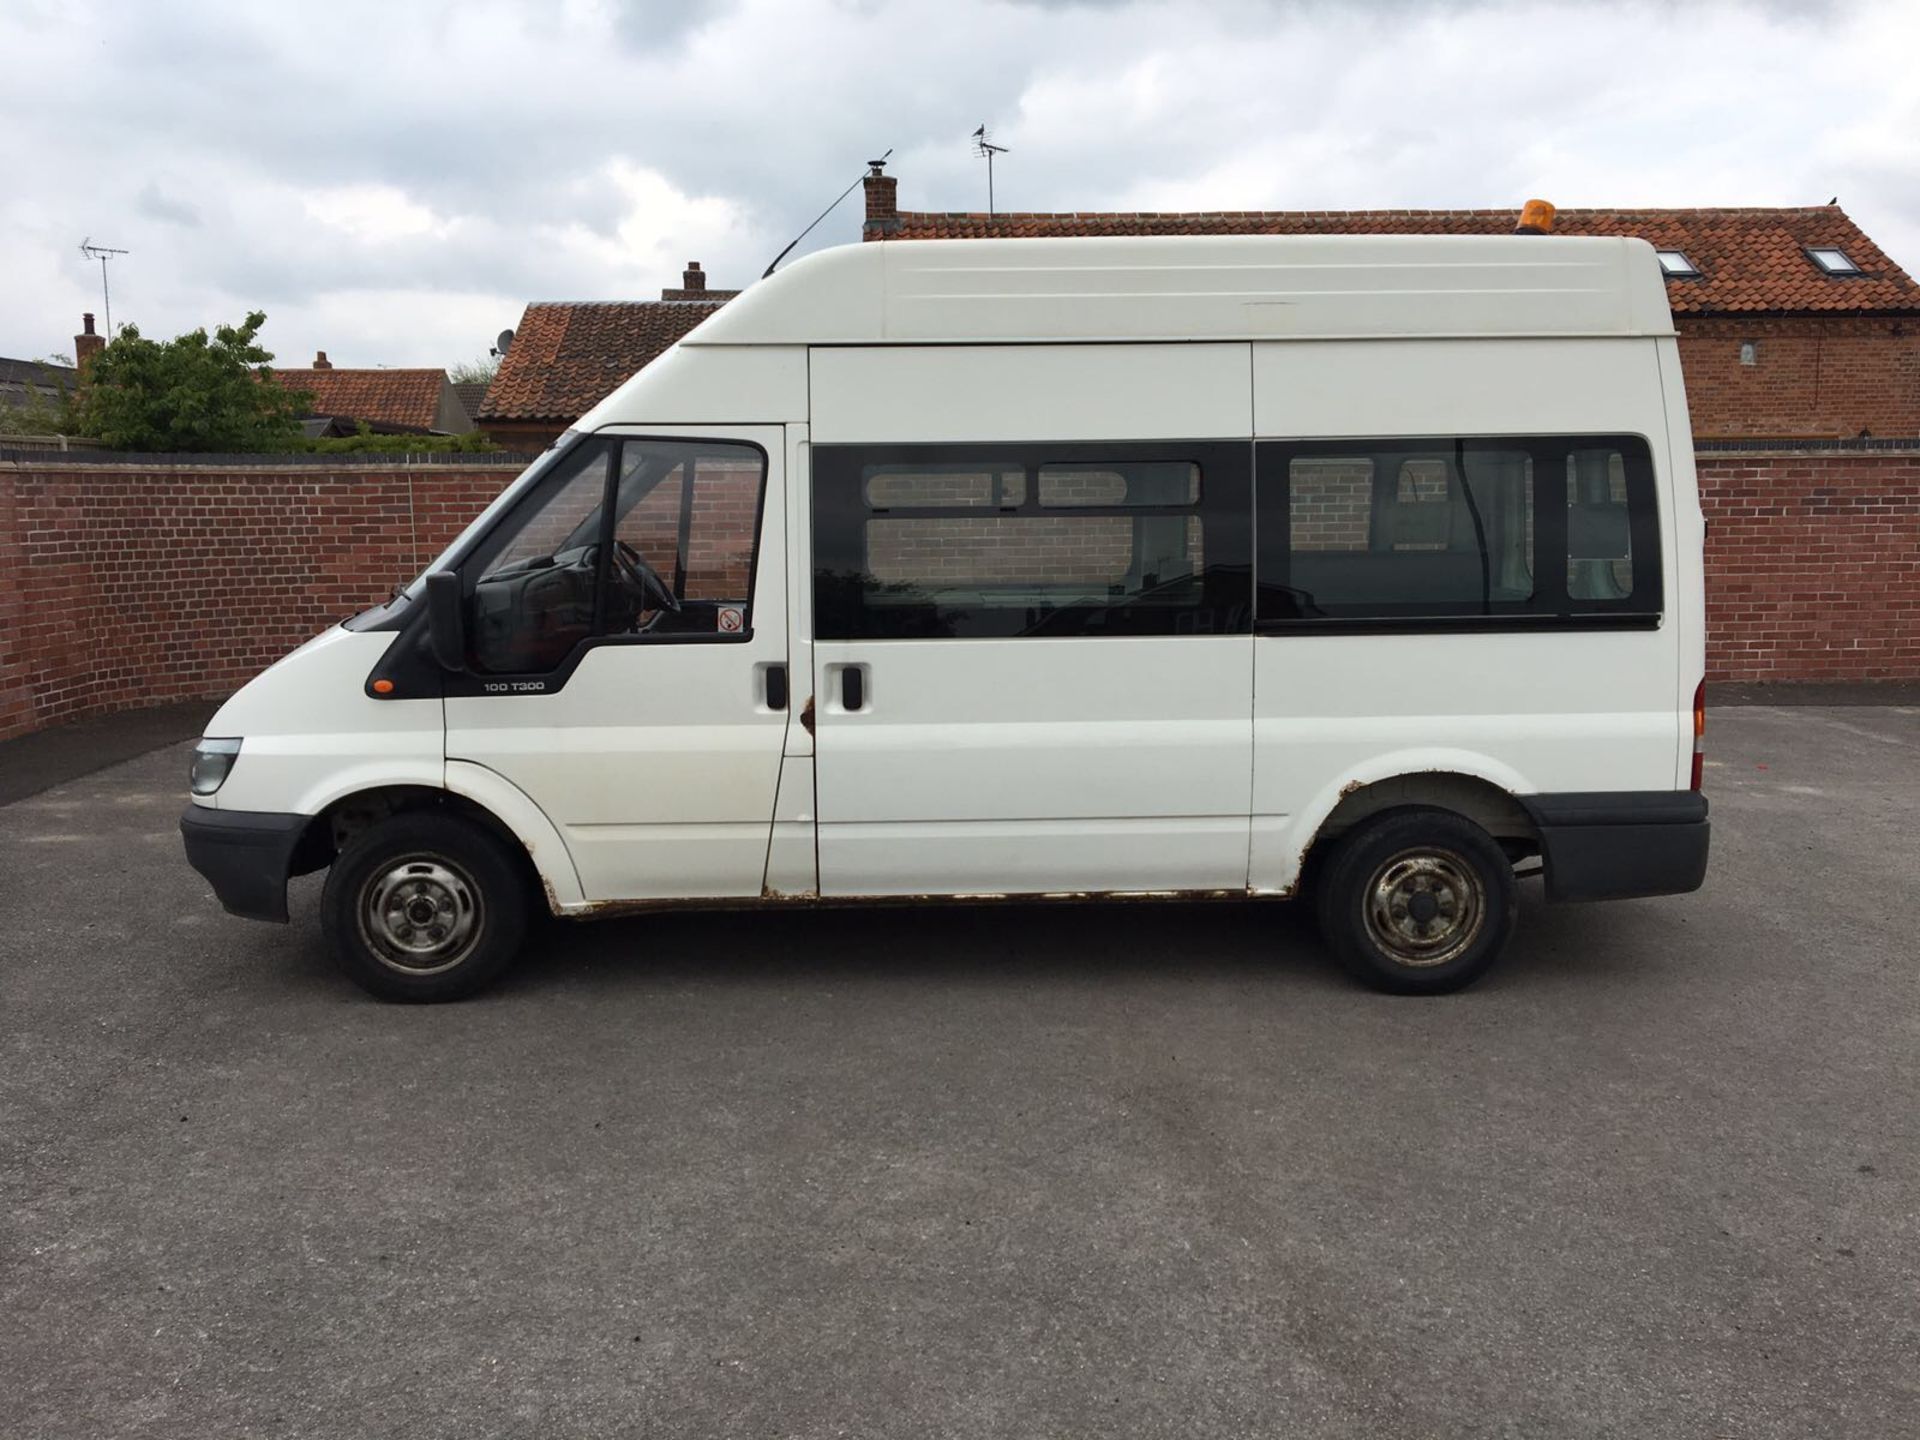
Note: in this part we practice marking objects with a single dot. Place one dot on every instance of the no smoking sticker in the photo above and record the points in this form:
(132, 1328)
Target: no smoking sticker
(729, 621)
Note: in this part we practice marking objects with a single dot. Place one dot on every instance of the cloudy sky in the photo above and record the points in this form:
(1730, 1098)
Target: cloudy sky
(392, 181)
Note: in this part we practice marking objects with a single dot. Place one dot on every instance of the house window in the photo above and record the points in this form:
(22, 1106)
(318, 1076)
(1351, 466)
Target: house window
(1832, 260)
(1677, 265)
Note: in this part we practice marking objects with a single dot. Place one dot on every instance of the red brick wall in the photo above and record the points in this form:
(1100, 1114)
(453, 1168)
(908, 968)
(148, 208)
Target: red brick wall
(123, 587)
(1813, 566)
(1827, 378)
(126, 586)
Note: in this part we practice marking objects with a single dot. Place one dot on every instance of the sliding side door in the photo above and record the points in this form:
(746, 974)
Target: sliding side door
(1032, 619)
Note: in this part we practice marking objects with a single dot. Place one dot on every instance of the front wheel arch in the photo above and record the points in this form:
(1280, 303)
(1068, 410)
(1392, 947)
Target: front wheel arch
(334, 828)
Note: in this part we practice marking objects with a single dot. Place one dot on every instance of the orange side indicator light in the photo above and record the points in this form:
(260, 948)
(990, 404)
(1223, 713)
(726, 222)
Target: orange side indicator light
(383, 687)
(1536, 218)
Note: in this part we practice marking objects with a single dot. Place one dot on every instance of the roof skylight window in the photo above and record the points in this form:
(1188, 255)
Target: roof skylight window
(1832, 260)
(1675, 263)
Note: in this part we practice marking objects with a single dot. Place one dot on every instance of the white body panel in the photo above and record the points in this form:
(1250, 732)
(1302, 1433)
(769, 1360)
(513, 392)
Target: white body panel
(1033, 766)
(313, 735)
(1177, 762)
(1030, 392)
(1457, 387)
(1202, 287)
(1682, 519)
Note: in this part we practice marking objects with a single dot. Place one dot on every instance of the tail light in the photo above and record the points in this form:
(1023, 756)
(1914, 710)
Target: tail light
(1699, 732)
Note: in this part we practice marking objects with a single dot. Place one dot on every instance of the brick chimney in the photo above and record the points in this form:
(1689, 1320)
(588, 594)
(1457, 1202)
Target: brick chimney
(87, 344)
(883, 209)
(693, 286)
(320, 361)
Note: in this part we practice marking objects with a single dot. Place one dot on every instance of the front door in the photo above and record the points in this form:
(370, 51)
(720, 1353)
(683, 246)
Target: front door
(1033, 666)
(627, 636)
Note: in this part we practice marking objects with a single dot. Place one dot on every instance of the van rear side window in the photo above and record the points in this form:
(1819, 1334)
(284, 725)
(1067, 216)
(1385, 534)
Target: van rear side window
(959, 541)
(1411, 533)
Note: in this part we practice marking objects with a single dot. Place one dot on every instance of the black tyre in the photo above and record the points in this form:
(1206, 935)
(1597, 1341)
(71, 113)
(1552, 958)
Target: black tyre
(1417, 901)
(424, 907)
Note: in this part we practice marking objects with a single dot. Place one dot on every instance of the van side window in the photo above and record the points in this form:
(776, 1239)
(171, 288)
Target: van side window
(638, 539)
(1599, 529)
(952, 541)
(1405, 533)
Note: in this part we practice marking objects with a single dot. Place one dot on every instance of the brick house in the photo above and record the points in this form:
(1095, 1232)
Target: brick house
(567, 356)
(400, 402)
(25, 382)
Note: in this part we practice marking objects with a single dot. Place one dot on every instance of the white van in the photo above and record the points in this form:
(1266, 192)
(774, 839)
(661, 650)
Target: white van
(1200, 567)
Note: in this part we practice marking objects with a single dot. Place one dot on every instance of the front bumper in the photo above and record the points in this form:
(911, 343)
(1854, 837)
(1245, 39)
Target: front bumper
(1612, 844)
(246, 855)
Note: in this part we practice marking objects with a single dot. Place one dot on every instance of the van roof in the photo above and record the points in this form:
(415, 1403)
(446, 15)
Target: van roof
(1202, 287)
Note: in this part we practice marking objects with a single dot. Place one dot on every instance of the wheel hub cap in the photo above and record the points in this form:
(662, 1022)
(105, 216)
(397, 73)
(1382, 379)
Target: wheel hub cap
(1425, 907)
(420, 915)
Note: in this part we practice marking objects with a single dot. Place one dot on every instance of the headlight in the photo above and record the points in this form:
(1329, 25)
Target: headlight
(212, 760)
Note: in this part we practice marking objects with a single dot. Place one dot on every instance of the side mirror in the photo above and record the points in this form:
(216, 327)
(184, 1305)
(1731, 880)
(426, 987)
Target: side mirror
(446, 620)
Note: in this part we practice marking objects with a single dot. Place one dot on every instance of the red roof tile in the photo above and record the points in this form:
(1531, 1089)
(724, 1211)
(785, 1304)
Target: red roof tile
(566, 357)
(1750, 260)
(390, 397)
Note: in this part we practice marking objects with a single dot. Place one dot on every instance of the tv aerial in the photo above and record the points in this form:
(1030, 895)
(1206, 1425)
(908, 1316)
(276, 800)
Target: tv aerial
(102, 253)
(984, 147)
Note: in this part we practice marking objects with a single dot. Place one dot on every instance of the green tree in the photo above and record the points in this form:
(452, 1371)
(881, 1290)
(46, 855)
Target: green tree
(194, 392)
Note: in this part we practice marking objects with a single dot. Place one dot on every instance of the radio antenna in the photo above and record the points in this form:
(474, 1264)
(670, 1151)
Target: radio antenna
(102, 253)
(983, 146)
(873, 168)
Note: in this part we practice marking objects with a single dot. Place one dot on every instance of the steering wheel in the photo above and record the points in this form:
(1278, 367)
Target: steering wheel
(641, 578)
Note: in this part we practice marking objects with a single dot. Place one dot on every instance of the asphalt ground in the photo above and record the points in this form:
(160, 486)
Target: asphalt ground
(1126, 1170)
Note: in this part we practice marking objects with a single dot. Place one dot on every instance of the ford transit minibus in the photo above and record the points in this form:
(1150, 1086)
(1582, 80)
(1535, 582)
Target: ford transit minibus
(1198, 567)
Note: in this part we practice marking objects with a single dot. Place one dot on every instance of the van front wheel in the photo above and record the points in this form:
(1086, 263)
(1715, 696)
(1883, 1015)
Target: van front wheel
(424, 907)
(1417, 902)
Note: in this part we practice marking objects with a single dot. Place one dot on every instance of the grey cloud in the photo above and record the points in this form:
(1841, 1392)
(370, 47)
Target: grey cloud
(157, 206)
(502, 124)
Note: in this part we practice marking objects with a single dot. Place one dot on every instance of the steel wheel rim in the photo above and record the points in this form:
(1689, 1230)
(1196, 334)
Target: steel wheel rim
(1425, 907)
(421, 915)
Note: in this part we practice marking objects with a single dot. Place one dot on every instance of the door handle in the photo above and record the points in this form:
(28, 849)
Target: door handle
(853, 687)
(776, 687)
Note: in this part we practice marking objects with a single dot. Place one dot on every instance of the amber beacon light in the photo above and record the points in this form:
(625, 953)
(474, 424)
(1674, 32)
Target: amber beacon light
(1536, 218)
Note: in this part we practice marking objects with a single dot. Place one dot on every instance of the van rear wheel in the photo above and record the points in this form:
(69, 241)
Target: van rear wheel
(1417, 902)
(424, 907)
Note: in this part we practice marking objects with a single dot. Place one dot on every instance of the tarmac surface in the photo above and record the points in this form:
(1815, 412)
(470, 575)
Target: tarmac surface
(1121, 1170)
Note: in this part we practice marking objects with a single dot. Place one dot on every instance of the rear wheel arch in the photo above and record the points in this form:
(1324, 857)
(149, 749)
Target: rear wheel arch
(1491, 806)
